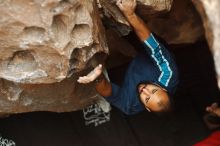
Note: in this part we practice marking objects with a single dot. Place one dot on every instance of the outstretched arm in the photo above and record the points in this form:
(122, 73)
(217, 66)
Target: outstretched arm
(156, 50)
(102, 85)
(128, 9)
(112, 92)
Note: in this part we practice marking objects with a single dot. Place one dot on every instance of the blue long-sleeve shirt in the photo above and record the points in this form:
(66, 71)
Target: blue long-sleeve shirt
(156, 65)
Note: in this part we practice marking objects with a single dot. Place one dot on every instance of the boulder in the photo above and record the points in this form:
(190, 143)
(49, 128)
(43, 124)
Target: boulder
(210, 13)
(45, 46)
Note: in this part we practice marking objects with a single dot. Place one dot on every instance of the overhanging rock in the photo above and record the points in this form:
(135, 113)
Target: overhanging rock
(45, 46)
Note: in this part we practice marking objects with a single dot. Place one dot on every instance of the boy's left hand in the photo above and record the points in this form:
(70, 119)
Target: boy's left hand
(90, 77)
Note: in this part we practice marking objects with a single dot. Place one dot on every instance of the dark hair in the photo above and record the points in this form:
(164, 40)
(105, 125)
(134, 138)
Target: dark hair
(165, 107)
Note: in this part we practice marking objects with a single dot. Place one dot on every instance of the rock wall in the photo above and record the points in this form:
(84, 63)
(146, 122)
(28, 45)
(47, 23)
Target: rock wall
(44, 47)
(182, 24)
(210, 13)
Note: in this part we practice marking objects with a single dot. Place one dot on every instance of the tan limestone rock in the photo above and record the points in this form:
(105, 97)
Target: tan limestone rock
(210, 13)
(44, 47)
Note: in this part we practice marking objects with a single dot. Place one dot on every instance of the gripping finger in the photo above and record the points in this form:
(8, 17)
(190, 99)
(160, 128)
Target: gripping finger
(209, 109)
(214, 105)
(119, 3)
(82, 80)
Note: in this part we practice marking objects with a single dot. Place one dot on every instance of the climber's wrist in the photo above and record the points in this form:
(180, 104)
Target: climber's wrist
(99, 79)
